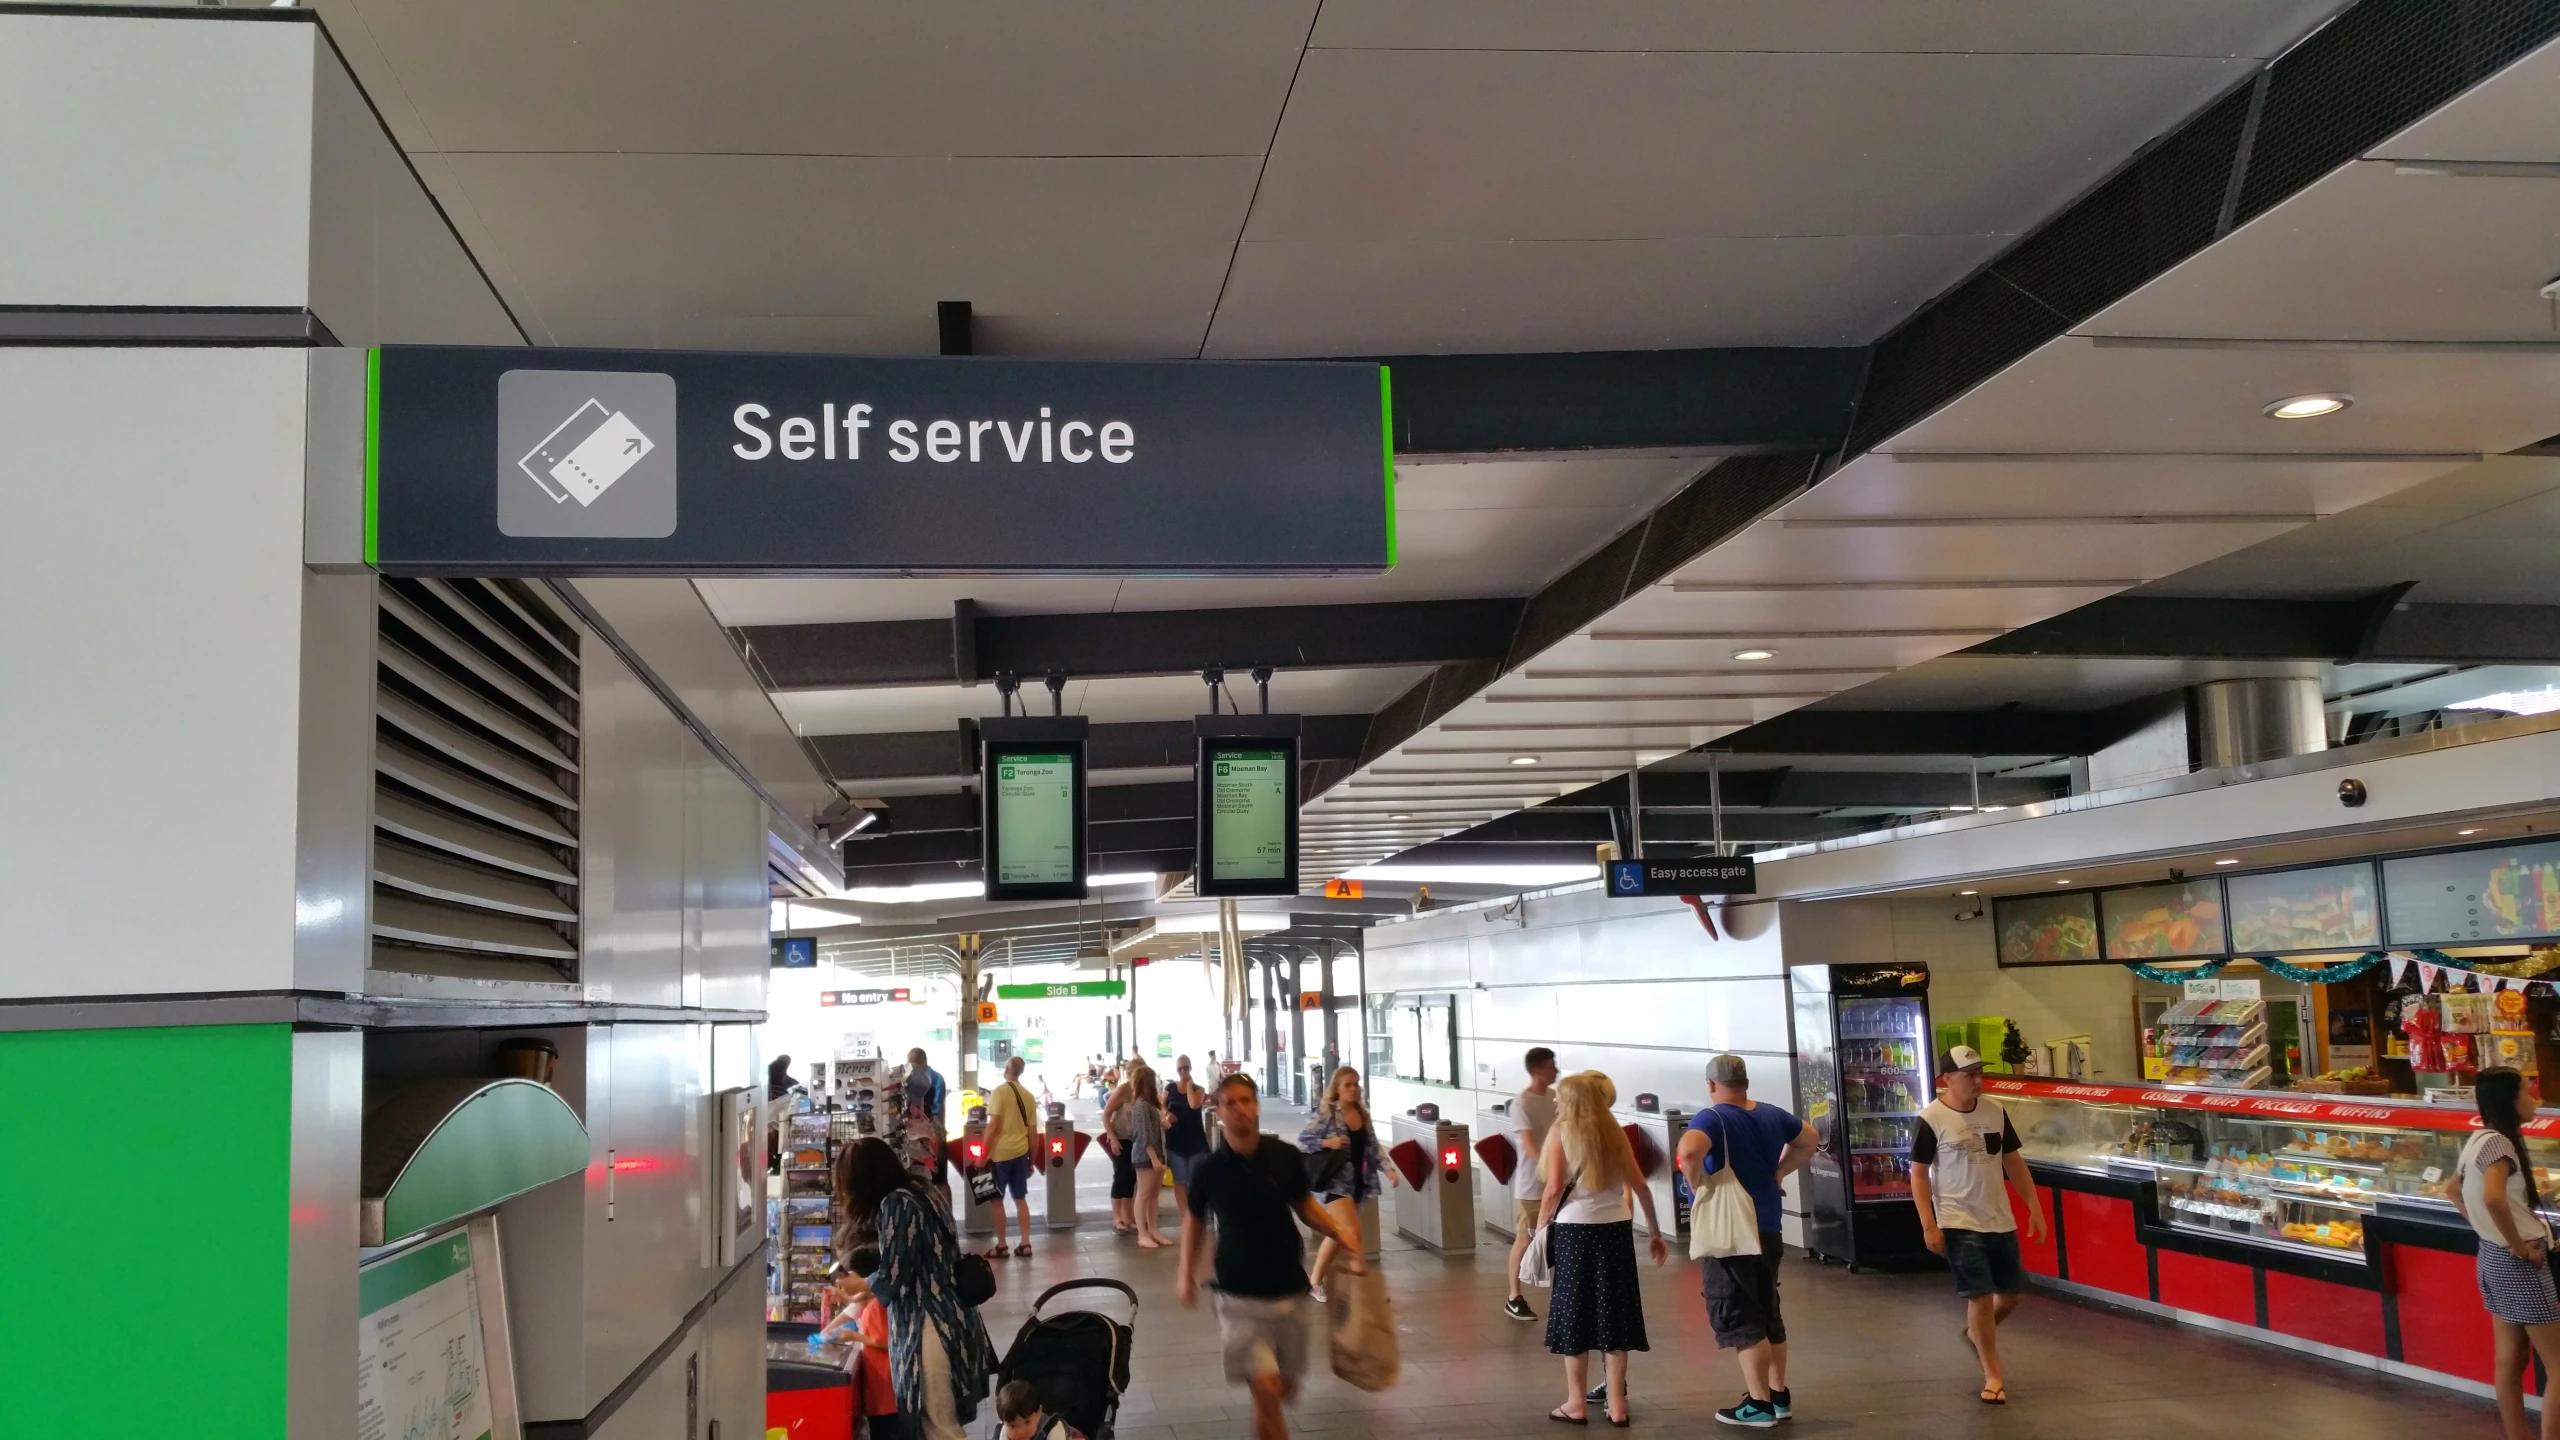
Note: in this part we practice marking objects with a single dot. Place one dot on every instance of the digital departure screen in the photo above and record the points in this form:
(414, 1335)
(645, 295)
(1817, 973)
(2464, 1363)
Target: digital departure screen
(1034, 846)
(1248, 817)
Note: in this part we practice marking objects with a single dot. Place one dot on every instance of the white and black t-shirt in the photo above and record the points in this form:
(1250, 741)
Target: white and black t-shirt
(1962, 1150)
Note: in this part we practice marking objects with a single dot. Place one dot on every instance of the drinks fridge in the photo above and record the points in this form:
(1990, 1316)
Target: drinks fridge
(1863, 1070)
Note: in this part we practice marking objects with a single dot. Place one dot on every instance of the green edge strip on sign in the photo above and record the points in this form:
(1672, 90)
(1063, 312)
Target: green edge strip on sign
(373, 456)
(1387, 433)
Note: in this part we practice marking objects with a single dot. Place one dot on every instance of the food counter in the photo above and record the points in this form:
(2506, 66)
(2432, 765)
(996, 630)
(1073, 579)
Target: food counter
(2309, 1221)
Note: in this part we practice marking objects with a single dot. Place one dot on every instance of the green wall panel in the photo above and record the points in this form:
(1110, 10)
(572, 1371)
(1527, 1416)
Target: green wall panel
(144, 1184)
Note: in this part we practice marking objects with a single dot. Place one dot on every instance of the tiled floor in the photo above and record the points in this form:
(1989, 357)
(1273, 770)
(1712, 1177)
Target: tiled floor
(1872, 1355)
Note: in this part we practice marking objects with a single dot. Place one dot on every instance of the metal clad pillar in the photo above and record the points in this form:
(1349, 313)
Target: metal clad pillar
(967, 953)
(1298, 1023)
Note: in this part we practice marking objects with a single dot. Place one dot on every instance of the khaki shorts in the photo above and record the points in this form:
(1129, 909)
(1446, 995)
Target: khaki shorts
(1264, 1337)
(1524, 1215)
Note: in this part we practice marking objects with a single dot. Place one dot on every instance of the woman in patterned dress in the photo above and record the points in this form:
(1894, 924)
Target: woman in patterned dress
(939, 1354)
(1593, 1189)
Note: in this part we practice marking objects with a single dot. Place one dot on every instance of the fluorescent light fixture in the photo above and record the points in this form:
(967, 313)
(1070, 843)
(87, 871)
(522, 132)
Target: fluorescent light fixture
(2308, 407)
(1755, 654)
(1989, 808)
(2233, 861)
(2474, 830)
(789, 918)
(1099, 882)
(2514, 702)
(909, 894)
(1399, 817)
(2065, 880)
(1524, 759)
(1204, 923)
(1521, 875)
(1968, 892)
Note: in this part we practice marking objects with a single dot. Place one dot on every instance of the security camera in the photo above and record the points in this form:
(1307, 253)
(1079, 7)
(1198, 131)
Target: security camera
(2351, 793)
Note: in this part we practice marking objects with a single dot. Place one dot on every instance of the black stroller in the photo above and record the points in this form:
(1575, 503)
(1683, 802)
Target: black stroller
(1077, 1359)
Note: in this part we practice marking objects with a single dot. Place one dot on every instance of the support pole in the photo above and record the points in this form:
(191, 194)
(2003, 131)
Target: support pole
(1715, 800)
(1297, 1020)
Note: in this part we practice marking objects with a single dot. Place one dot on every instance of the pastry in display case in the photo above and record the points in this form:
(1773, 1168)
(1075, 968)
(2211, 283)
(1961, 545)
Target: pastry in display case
(2204, 1041)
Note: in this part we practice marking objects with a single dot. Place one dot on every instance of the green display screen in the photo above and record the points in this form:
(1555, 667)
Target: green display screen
(1035, 809)
(1249, 815)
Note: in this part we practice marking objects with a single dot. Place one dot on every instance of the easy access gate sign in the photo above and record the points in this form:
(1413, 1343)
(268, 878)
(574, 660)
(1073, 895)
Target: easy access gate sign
(564, 462)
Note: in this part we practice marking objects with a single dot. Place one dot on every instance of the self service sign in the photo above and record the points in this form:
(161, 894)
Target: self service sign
(497, 461)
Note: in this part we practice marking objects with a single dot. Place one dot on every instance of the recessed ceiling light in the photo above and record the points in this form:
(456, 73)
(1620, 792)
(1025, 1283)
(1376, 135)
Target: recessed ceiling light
(1755, 654)
(2474, 830)
(1524, 759)
(2226, 862)
(2308, 407)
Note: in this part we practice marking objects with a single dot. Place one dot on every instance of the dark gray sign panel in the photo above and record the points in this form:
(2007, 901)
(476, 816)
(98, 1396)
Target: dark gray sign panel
(565, 462)
(1733, 875)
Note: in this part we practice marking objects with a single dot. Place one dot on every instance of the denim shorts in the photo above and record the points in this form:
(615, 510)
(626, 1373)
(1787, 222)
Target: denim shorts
(1013, 1177)
(1985, 1262)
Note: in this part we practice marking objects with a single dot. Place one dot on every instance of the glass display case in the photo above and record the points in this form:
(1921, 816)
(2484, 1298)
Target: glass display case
(2293, 1171)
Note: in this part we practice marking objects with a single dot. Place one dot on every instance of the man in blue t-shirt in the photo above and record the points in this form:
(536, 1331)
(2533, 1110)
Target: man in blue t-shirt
(1764, 1145)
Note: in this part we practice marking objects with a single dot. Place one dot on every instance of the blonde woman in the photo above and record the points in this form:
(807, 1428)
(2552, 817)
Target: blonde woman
(1342, 1161)
(1593, 1190)
(1146, 1154)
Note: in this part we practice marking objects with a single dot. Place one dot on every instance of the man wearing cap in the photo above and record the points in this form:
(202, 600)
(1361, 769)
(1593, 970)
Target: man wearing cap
(1964, 1162)
(1764, 1144)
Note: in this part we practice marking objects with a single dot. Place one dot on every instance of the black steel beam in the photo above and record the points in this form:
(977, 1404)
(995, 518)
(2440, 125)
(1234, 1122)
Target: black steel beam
(1159, 862)
(1733, 400)
(1926, 732)
(1133, 745)
(973, 646)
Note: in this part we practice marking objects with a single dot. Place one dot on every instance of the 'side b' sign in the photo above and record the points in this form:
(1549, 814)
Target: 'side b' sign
(1636, 879)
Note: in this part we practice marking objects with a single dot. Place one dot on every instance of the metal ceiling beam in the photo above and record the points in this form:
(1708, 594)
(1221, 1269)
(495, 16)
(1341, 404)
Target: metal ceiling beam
(1700, 402)
(971, 647)
(1668, 792)
(1134, 745)
(2379, 627)
(1927, 732)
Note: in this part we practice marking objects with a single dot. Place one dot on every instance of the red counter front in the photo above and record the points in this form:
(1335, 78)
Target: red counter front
(2126, 1214)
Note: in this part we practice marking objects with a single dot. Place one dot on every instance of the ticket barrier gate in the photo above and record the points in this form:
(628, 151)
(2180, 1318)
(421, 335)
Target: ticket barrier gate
(1655, 1134)
(1061, 1151)
(969, 1157)
(1437, 1204)
(1501, 1161)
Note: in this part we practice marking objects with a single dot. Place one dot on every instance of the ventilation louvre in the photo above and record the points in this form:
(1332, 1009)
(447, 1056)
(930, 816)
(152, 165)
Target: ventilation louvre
(475, 852)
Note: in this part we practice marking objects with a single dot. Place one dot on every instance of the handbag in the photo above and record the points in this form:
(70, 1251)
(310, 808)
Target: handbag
(1537, 1259)
(982, 1187)
(973, 1279)
(1724, 1221)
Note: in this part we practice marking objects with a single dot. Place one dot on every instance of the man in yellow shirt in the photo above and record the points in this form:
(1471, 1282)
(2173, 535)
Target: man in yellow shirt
(1012, 1129)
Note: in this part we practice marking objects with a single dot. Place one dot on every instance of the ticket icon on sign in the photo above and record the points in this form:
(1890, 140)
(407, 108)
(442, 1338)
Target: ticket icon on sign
(582, 457)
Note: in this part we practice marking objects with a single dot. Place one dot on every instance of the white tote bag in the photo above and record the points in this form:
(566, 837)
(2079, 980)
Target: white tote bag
(1537, 1260)
(1724, 1221)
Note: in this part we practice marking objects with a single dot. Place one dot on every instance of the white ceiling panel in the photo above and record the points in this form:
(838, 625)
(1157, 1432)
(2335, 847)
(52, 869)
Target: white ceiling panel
(2400, 256)
(2513, 117)
(1882, 485)
(1430, 294)
(2162, 27)
(670, 249)
(2483, 534)
(2077, 396)
(1588, 145)
(1874, 555)
(838, 77)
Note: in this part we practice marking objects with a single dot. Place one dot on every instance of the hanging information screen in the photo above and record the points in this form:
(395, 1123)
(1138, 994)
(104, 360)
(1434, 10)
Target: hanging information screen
(1033, 844)
(1247, 822)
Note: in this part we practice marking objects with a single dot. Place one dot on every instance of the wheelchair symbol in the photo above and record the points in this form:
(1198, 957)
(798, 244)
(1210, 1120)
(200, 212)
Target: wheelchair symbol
(1629, 879)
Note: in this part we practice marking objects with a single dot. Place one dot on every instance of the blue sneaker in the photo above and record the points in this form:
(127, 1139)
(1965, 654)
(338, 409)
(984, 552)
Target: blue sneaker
(1783, 1403)
(1758, 1413)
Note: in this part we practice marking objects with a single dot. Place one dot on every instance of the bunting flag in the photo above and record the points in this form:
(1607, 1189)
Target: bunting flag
(2399, 968)
(2426, 977)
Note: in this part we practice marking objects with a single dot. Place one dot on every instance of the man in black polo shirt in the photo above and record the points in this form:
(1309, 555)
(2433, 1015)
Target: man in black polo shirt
(1256, 1189)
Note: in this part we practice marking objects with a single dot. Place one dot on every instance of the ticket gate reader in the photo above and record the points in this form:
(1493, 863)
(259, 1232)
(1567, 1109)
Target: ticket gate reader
(1061, 1150)
(1655, 1134)
(1498, 1151)
(1437, 1204)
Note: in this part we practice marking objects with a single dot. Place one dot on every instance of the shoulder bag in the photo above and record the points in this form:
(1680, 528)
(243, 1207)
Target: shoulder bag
(1538, 1260)
(1724, 1221)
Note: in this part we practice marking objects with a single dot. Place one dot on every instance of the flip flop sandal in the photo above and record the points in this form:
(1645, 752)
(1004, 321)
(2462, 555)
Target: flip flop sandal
(1562, 1418)
(1022, 1250)
(1998, 1396)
